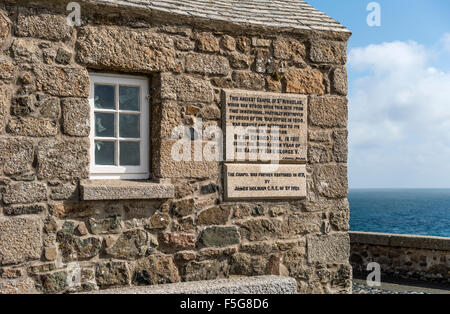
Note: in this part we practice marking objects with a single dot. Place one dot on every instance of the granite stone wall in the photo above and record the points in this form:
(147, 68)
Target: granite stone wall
(401, 256)
(52, 241)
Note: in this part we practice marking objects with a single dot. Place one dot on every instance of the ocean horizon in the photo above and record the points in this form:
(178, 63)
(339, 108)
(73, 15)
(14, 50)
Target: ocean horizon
(401, 211)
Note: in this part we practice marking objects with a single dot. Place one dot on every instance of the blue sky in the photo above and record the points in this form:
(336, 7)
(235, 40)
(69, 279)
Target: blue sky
(399, 92)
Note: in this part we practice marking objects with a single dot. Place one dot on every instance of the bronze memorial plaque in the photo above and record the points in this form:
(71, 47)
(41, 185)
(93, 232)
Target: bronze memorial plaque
(262, 126)
(264, 181)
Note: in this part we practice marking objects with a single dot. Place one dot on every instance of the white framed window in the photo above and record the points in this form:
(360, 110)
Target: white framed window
(119, 127)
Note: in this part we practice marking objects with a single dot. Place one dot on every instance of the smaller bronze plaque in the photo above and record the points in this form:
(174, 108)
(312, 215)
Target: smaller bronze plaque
(264, 181)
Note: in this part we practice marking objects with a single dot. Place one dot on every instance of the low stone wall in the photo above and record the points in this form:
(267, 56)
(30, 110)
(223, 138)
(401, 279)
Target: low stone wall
(402, 256)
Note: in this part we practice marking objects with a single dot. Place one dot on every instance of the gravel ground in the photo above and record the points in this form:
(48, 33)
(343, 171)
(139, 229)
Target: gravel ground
(360, 288)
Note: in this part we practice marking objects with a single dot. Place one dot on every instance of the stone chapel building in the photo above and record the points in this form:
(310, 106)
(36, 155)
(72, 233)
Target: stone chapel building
(91, 196)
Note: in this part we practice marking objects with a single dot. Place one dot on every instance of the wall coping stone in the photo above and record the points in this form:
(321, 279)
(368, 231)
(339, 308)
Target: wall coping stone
(400, 240)
(99, 190)
(240, 285)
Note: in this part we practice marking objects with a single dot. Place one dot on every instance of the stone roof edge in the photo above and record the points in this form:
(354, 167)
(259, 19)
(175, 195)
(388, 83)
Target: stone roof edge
(339, 33)
(187, 20)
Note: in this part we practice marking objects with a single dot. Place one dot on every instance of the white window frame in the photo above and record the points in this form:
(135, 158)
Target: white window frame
(118, 172)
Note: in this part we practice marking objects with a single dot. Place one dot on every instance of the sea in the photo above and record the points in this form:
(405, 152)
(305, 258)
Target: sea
(401, 211)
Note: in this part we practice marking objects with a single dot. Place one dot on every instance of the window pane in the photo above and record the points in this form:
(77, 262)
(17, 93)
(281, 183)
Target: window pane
(130, 154)
(130, 126)
(104, 97)
(129, 98)
(105, 124)
(105, 153)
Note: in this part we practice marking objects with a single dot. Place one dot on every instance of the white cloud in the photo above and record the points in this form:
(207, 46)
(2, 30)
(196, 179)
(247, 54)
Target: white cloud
(399, 117)
(388, 56)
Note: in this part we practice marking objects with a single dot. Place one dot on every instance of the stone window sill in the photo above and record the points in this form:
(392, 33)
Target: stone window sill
(100, 190)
